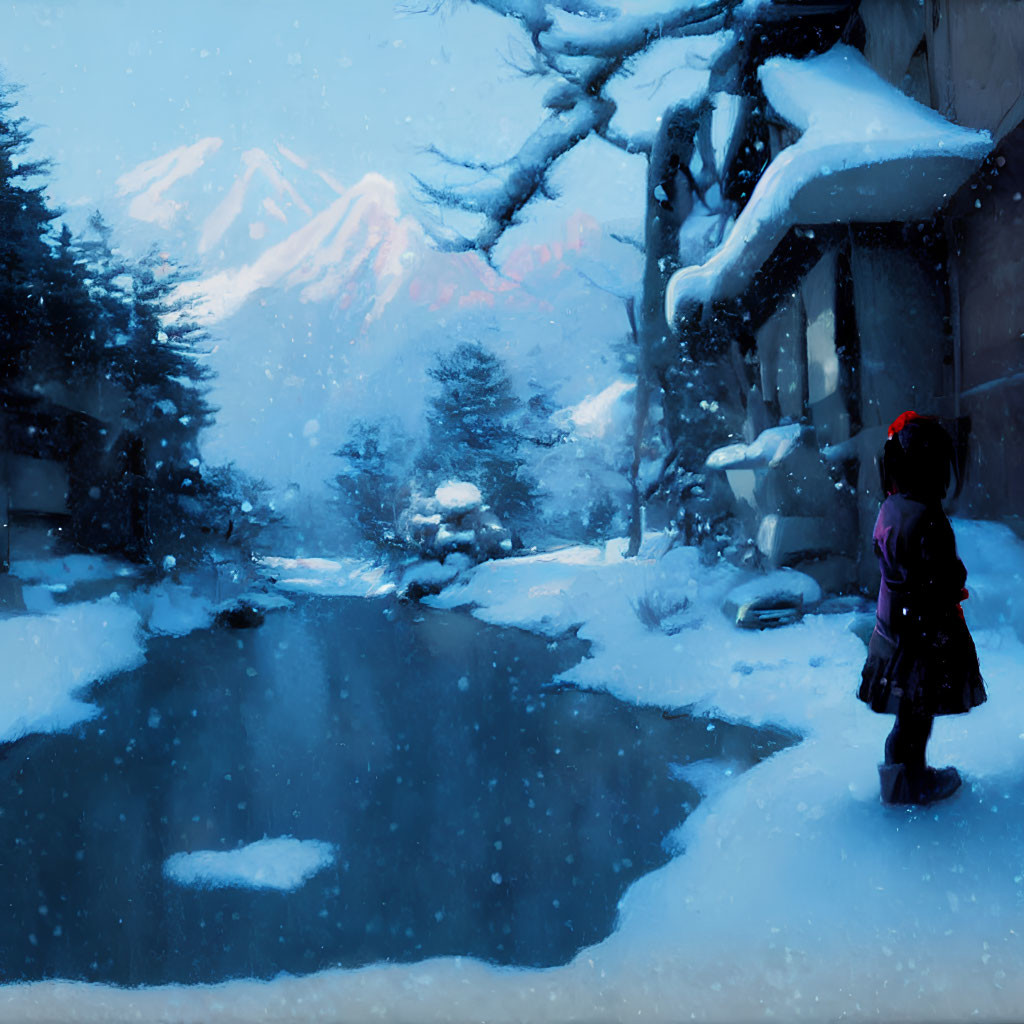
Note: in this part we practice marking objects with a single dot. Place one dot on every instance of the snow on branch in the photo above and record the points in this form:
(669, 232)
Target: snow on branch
(524, 176)
(583, 46)
(619, 37)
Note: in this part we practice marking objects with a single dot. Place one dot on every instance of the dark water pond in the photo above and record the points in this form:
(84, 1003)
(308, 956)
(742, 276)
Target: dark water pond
(475, 808)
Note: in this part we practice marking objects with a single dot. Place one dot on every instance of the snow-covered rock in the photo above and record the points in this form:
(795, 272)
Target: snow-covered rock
(457, 496)
(776, 599)
(249, 609)
(422, 578)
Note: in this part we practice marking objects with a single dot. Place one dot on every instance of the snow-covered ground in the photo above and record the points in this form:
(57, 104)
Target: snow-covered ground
(49, 658)
(53, 651)
(794, 893)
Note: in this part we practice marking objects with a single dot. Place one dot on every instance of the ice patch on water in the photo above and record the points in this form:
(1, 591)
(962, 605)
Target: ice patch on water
(284, 864)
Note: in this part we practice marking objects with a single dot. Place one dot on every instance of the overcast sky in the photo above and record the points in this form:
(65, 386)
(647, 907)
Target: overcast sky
(108, 84)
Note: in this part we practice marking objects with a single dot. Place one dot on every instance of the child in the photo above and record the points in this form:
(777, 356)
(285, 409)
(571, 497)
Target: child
(921, 658)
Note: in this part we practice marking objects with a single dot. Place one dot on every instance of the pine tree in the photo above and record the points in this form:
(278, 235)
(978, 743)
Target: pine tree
(70, 332)
(473, 432)
(24, 253)
(108, 280)
(374, 479)
(85, 331)
(159, 363)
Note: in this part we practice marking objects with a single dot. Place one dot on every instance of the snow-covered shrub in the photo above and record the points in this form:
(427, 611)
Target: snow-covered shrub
(661, 612)
(454, 520)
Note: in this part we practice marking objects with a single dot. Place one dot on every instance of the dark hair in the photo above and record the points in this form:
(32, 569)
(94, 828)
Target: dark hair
(917, 460)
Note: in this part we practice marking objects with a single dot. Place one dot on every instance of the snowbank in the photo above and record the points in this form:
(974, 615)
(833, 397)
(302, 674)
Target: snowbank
(995, 563)
(173, 609)
(65, 571)
(283, 864)
(54, 653)
(867, 153)
(49, 658)
(791, 677)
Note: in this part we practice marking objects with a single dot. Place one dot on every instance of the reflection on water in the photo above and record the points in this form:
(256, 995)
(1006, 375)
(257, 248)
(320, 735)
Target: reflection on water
(475, 809)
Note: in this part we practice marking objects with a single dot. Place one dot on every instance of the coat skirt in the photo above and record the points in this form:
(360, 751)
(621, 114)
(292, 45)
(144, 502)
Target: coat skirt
(921, 657)
(930, 673)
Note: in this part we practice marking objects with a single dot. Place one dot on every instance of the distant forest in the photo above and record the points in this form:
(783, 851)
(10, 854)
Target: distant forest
(103, 388)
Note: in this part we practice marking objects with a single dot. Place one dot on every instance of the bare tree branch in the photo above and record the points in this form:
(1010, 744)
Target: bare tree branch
(472, 165)
(451, 197)
(525, 174)
(636, 243)
(531, 65)
(582, 45)
(627, 143)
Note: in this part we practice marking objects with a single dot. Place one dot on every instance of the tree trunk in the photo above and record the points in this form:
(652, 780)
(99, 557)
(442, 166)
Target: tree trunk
(669, 202)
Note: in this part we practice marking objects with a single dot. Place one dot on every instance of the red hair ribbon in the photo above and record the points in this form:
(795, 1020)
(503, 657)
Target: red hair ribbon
(903, 419)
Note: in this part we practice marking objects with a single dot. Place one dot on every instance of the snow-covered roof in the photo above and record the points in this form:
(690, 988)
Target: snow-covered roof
(867, 153)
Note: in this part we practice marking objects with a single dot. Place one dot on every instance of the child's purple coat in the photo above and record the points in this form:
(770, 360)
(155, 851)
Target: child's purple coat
(921, 656)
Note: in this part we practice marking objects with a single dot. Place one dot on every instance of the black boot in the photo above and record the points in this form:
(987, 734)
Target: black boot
(902, 785)
(896, 787)
(939, 783)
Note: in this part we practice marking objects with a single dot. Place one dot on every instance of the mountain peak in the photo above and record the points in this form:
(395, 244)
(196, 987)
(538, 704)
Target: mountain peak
(152, 178)
(283, 196)
(264, 220)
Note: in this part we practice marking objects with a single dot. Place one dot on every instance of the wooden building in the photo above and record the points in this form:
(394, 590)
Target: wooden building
(876, 267)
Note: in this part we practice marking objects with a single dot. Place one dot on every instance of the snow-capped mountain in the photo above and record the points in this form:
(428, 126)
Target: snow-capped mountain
(251, 221)
(328, 304)
(357, 246)
(256, 219)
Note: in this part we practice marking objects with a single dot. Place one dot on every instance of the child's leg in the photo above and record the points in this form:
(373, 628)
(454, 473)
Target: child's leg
(904, 777)
(906, 743)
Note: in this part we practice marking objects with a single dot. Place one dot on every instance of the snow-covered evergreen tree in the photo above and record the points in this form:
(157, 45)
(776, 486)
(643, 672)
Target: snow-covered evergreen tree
(102, 346)
(474, 433)
(25, 253)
